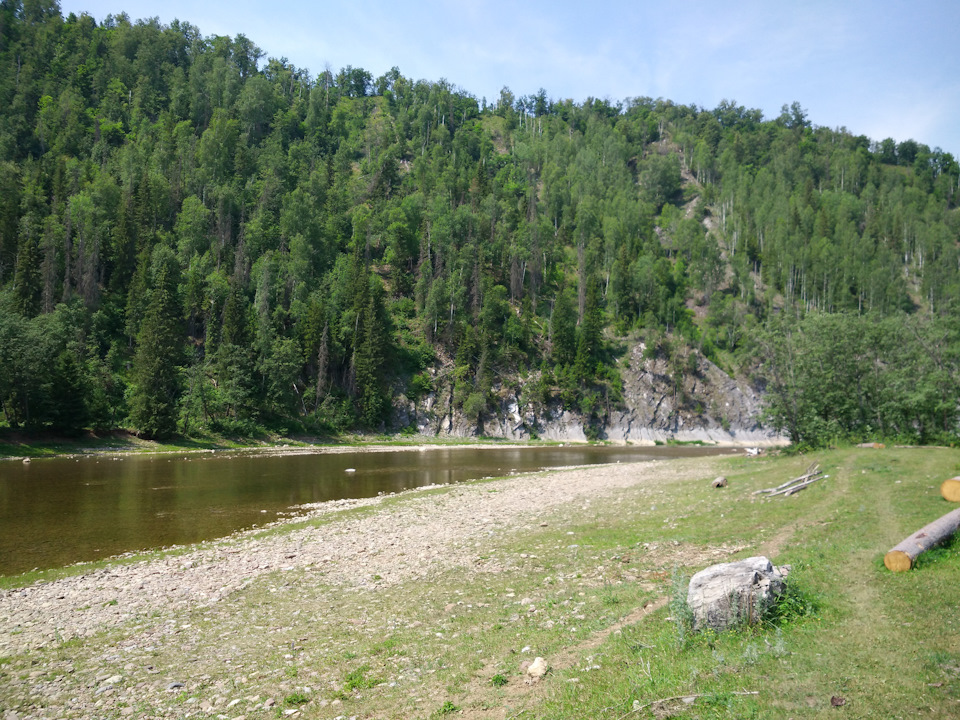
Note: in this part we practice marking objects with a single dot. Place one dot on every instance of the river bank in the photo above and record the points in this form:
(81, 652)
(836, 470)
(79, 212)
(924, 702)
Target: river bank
(429, 602)
(381, 546)
(131, 613)
(17, 446)
(60, 511)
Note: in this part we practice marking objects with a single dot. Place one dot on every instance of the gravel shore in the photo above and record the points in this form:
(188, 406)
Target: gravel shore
(393, 539)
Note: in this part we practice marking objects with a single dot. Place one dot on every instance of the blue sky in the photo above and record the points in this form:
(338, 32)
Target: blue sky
(883, 68)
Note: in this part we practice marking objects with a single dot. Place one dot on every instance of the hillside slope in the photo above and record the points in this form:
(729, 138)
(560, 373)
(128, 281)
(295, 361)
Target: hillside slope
(196, 240)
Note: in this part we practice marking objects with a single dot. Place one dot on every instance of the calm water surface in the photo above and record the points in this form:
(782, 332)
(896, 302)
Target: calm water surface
(61, 511)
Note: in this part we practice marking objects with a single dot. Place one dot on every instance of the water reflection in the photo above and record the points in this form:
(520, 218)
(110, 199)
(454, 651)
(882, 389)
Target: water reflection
(57, 512)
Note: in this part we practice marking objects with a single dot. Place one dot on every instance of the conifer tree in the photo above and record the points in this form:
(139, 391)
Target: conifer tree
(369, 359)
(156, 377)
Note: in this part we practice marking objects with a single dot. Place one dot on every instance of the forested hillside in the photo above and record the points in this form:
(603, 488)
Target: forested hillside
(195, 238)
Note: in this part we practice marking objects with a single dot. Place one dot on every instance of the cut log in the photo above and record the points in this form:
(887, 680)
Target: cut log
(904, 555)
(950, 489)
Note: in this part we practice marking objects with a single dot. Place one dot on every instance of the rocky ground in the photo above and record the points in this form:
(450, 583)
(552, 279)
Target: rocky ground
(180, 634)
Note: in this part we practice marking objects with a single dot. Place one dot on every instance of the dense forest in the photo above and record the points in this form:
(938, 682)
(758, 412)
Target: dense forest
(195, 238)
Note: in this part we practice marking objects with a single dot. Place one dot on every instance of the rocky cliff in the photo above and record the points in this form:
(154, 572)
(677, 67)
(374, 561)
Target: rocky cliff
(704, 404)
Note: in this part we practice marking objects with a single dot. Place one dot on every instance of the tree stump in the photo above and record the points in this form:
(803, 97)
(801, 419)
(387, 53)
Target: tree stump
(732, 594)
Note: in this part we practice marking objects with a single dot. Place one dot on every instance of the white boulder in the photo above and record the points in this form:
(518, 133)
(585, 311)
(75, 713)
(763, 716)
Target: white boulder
(731, 594)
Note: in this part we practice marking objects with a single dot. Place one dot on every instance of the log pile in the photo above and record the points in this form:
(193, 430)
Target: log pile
(795, 485)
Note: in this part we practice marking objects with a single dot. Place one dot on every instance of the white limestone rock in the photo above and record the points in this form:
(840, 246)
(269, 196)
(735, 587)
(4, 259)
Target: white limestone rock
(730, 594)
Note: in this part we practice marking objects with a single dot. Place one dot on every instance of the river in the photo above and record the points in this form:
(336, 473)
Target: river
(55, 512)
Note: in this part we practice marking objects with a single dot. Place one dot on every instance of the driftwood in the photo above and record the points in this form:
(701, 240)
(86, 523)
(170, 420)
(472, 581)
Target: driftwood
(950, 489)
(904, 555)
(811, 476)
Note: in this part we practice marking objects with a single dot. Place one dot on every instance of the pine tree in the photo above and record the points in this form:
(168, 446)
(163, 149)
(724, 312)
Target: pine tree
(368, 360)
(69, 413)
(563, 329)
(157, 383)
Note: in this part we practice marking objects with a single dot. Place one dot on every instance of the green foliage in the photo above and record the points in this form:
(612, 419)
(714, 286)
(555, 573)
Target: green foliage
(296, 699)
(333, 238)
(446, 709)
(474, 406)
(660, 179)
(421, 384)
(357, 679)
(860, 377)
(796, 603)
(679, 609)
(156, 380)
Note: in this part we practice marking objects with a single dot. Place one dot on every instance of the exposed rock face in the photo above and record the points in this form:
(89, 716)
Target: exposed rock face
(707, 405)
(730, 594)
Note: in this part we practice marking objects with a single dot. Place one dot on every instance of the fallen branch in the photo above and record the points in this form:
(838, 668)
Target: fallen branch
(812, 474)
(797, 488)
(683, 697)
(903, 556)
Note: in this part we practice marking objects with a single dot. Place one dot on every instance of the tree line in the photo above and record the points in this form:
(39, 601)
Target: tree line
(195, 238)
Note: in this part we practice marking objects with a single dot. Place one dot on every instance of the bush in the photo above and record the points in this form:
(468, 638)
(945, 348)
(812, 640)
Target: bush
(421, 384)
(474, 406)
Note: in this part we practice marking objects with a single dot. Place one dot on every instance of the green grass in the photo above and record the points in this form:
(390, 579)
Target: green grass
(296, 699)
(357, 679)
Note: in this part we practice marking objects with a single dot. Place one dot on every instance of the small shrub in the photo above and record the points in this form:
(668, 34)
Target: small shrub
(679, 609)
(498, 680)
(794, 603)
(474, 406)
(609, 596)
(445, 709)
(751, 654)
(358, 680)
(421, 384)
(296, 699)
